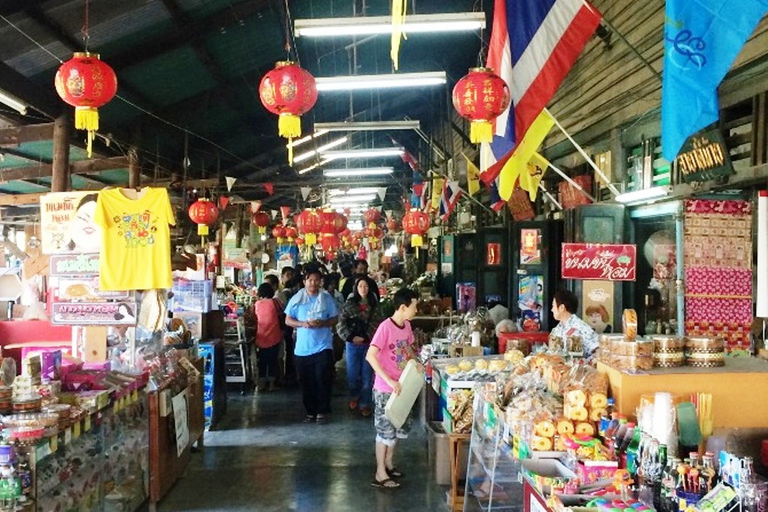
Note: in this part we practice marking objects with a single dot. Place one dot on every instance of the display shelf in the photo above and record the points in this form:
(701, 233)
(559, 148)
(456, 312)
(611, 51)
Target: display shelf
(493, 481)
(235, 351)
(98, 463)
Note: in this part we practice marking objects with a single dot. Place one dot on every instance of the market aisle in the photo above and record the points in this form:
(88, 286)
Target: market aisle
(262, 458)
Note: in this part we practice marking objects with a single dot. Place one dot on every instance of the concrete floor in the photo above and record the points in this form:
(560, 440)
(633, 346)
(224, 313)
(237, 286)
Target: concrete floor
(262, 458)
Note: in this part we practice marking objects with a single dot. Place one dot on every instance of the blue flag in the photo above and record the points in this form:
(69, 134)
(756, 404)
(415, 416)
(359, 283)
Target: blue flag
(701, 40)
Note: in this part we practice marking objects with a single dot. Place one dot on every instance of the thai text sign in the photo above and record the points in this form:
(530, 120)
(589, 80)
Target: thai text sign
(78, 265)
(611, 262)
(93, 313)
(704, 157)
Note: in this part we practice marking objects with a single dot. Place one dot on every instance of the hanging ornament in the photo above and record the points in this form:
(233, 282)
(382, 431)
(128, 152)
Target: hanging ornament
(480, 97)
(278, 232)
(416, 224)
(372, 216)
(309, 224)
(86, 83)
(288, 91)
(261, 221)
(290, 233)
(203, 213)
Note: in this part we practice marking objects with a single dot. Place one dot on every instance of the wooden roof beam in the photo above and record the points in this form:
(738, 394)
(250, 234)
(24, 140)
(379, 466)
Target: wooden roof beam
(18, 135)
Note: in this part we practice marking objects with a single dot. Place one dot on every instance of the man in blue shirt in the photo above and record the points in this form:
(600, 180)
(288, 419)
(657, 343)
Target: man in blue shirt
(313, 312)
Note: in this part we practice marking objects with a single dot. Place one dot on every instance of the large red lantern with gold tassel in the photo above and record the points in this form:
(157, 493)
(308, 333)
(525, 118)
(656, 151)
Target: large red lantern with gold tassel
(481, 96)
(288, 91)
(310, 224)
(416, 224)
(203, 213)
(86, 83)
(261, 221)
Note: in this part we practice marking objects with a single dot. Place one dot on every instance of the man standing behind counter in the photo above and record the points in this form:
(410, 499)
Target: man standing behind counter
(312, 312)
(564, 306)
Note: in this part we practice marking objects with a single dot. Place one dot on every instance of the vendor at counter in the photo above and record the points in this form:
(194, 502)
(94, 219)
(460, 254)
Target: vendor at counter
(564, 305)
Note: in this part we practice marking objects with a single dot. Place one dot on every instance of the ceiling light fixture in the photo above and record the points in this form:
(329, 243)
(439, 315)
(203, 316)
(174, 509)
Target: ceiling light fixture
(367, 25)
(363, 82)
(321, 149)
(363, 126)
(352, 191)
(297, 143)
(364, 153)
(368, 171)
(643, 195)
(353, 199)
(13, 102)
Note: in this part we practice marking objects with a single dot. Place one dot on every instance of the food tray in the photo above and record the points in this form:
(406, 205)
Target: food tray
(33, 420)
(663, 343)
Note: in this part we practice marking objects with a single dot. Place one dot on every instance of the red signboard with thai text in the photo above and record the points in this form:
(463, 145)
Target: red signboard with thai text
(612, 262)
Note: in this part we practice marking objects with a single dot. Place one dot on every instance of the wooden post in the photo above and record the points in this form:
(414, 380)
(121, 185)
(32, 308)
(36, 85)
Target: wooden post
(60, 172)
(134, 169)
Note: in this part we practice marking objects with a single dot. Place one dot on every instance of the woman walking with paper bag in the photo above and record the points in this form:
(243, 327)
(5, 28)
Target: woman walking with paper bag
(391, 349)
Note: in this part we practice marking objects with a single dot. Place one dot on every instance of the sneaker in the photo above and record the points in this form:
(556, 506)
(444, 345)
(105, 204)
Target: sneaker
(353, 404)
(310, 419)
(320, 419)
(365, 412)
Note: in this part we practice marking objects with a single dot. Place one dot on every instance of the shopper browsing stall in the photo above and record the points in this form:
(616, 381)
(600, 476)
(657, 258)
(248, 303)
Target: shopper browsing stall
(360, 317)
(391, 348)
(269, 334)
(313, 312)
(564, 305)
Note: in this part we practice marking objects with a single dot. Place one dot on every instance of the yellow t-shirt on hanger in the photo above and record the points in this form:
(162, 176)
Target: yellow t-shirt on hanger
(136, 240)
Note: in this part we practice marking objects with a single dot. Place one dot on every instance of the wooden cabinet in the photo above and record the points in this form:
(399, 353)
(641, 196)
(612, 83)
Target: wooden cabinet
(165, 464)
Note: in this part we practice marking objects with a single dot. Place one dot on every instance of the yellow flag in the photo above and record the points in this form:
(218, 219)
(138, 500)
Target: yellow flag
(473, 177)
(523, 153)
(399, 8)
(437, 190)
(534, 172)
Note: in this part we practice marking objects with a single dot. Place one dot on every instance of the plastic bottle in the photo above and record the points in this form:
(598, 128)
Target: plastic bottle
(656, 477)
(669, 485)
(619, 433)
(605, 419)
(629, 434)
(632, 451)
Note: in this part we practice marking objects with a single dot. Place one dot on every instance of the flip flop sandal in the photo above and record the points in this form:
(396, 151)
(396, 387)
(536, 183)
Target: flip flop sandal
(320, 419)
(387, 483)
(395, 473)
(309, 419)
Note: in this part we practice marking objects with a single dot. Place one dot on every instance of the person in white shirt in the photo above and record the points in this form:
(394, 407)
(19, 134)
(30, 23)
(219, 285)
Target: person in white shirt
(564, 306)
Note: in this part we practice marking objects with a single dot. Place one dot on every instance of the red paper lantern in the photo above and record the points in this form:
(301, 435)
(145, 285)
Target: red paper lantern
(203, 213)
(309, 224)
(86, 83)
(261, 221)
(481, 96)
(330, 242)
(372, 216)
(393, 226)
(333, 222)
(416, 224)
(290, 232)
(288, 91)
(299, 241)
(278, 232)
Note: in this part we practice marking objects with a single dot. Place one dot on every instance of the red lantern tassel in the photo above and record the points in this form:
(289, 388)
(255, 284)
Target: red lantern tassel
(481, 131)
(87, 118)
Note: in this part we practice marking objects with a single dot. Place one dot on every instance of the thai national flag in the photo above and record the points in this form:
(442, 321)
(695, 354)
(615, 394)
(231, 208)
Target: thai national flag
(533, 45)
(449, 198)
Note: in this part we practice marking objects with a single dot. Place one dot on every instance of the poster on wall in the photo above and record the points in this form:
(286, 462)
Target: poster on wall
(85, 289)
(530, 300)
(66, 223)
(286, 256)
(530, 246)
(597, 305)
(493, 253)
(466, 296)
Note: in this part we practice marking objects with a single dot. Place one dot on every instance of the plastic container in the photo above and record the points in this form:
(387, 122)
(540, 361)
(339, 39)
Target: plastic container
(510, 341)
(631, 348)
(632, 363)
(439, 454)
(669, 359)
(664, 343)
(704, 344)
(27, 403)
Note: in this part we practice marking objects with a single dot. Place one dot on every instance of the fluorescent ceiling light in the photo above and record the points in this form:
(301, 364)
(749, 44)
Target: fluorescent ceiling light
(364, 153)
(371, 171)
(366, 25)
(352, 191)
(13, 102)
(308, 138)
(646, 194)
(352, 199)
(310, 154)
(361, 82)
(314, 166)
(368, 126)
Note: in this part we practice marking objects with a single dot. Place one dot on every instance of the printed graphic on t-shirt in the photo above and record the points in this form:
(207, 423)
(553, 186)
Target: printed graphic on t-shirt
(137, 229)
(399, 355)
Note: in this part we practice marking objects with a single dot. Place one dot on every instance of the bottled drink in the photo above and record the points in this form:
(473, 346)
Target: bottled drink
(628, 435)
(619, 433)
(632, 451)
(605, 419)
(658, 479)
(708, 472)
(669, 485)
